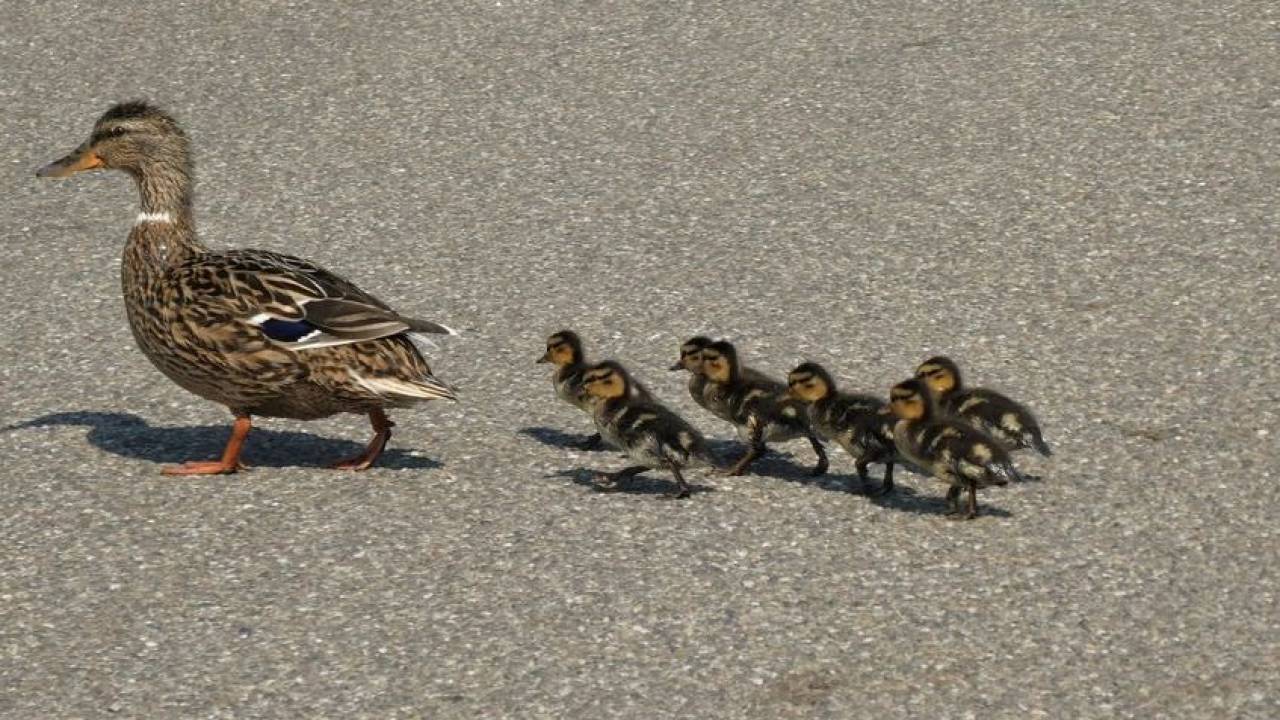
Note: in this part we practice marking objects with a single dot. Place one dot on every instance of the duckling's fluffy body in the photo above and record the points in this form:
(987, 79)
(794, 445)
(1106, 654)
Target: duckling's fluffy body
(1009, 422)
(706, 394)
(861, 424)
(651, 435)
(758, 407)
(951, 450)
(565, 351)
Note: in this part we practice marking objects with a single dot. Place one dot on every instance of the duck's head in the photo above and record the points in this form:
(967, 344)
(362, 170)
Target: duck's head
(605, 381)
(720, 361)
(691, 354)
(810, 382)
(128, 137)
(941, 374)
(910, 400)
(563, 348)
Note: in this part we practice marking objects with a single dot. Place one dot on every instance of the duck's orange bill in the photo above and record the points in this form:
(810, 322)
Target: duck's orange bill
(71, 164)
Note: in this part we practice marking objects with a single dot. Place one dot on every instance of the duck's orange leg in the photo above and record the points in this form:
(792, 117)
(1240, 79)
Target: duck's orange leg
(381, 434)
(230, 461)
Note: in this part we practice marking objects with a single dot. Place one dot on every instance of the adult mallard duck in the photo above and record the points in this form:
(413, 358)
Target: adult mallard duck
(262, 333)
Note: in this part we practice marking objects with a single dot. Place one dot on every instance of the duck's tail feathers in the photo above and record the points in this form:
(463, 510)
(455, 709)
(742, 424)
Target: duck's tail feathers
(428, 327)
(1040, 445)
(426, 387)
(1003, 473)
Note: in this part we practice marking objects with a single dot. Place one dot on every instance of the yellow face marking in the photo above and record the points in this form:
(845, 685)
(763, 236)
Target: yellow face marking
(1009, 421)
(691, 358)
(715, 366)
(939, 379)
(981, 452)
(908, 406)
(605, 384)
(807, 387)
(560, 353)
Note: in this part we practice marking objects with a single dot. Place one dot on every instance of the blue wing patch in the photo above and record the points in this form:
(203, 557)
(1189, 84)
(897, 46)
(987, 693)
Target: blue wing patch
(288, 330)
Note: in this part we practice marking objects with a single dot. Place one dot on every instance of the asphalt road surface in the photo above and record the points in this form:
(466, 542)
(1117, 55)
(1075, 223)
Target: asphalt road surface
(1075, 199)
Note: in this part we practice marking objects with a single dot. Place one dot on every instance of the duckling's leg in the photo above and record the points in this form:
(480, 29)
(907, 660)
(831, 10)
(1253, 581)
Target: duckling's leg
(230, 461)
(887, 458)
(682, 488)
(887, 486)
(381, 434)
(953, 502)
(973, 503)
(755, 448)
(821, 467)
(863, 479)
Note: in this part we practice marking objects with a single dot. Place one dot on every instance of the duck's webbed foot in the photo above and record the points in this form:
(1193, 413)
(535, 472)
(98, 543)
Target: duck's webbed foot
(230, 461)
(204, 467)
(381, 434)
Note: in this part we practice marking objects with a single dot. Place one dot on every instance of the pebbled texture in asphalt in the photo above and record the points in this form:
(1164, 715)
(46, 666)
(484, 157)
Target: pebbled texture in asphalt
(1077, 200)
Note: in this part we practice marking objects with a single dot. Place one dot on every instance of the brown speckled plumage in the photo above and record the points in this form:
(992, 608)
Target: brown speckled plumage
(260, 332)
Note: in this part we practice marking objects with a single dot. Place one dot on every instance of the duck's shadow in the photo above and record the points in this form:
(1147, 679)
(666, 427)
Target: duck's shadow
(650, 482)
(130, 436)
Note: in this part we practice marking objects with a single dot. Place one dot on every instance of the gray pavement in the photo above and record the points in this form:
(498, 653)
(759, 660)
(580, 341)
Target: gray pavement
(1076, 199)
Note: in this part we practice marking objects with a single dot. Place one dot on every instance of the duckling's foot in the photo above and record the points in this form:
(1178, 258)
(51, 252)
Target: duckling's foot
(611, 481)
(230, 461)
(744, 462)
(604, 482)
(957, 515)
(591, 443)
(381, 434)
(682, 488)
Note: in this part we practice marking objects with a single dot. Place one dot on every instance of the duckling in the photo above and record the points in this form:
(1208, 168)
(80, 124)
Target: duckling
(259, 332)
(650, 434)
(758, 407)
(857, 423)
(1008, 422)
(564, 350)
(691, 360)
(954, 451)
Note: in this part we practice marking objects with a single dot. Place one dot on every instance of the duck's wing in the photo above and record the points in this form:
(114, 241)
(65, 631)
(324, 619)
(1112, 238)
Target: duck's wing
(293, 302)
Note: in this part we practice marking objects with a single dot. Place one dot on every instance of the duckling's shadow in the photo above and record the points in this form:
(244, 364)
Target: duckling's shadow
(775, 463)
(905, 499)
(647, 483)
(130, 436)
(557, 438)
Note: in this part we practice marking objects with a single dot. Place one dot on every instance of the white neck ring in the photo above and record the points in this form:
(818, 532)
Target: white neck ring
(153, 217)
